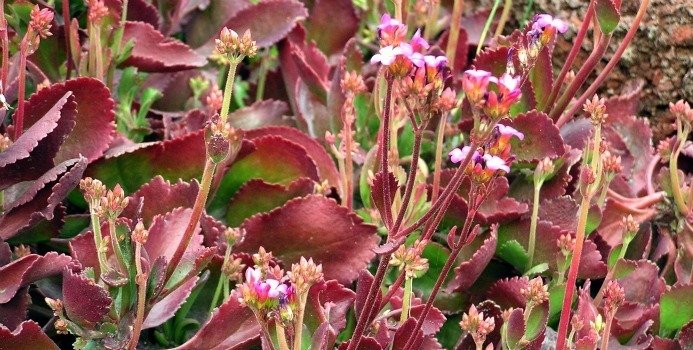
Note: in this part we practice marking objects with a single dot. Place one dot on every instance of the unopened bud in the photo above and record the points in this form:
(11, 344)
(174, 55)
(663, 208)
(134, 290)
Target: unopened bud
(233, 47)
(630, 224)
(262, 258)
(92, 189)
(232, 269)
(536, 292)
(140, 234)
(113, 203)
(215, 99)
(612, 164)
(21, 251)
(5, 142)
(233, 236)
(566, 243)
(352, 83)
(40, 21)
(60, 326)
(304, 274)
(614, 297)
(97, 11)
(596, 109)
(544, 168)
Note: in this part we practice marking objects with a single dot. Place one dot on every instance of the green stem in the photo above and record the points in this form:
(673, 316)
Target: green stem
(115, 242)
(281, 336)
(98, 241)
(504, 17)
(195, 216)
(141, 295)
(117, 42)
(228, 90)
(525, 14)
(429, 31)
(222, 277)
(298, 322)
(454, 33)
(602, 194)
(19, 114)
(487, 26)
(674, 173)
(262, 76)
(406, 300)
(610, 275)
(533, 225)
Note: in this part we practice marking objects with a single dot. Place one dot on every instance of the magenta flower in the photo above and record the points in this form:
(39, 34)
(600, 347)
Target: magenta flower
(418, 43)
(276, 289)
(541, 22)
(386, 55)
(457, 155)
(387, 22)
(252, 275)
(391, 31)
(509, 131)
(507, 84)
(435, 61)
(495, 163)
(474, 84)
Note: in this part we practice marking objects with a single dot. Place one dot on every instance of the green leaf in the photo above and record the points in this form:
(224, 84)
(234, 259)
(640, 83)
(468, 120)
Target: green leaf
(537, 269)
(437, 255)
(675, 309)
(513, 252)
(608, 15)
(536, 322)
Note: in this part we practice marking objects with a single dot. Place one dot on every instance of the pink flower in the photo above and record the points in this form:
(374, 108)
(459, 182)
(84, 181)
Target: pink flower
(507, 84)
(276, 289)
(418, 43)
(391, 31)
(387, 22)
(509, 131)
(495, 163)
(457, 155)
(435, 61)
(541, 22)
(474, 84)
(252, 275)
(386, 55)
(498, 104)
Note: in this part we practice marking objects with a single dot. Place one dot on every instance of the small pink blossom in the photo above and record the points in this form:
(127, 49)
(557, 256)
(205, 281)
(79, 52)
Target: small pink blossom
(387, 22)
(475, 83)
(435, 61)
(509, 131)
(541, 22)
(457, 155)
(507, 84)
(418, 43)
(252, 275)
(495, 163)
(391, 31)
(386, 55)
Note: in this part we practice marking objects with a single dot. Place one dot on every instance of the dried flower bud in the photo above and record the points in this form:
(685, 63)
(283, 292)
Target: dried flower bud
(92, 189)
(352, 83)
(262, 257)
(56, 305)
(233, 236)
(446, 102)
(233, 269)
(612, 164)
(475, 324)
(596, 109)
(614, 297)
(536, 292)
(60, 326)
(215, 99)
(566, 243)
(113, 203)
(40, 21)
(97, 11)
(304, 274)
(140, 234)
(630, 224)
(21, 251)
(5, 142)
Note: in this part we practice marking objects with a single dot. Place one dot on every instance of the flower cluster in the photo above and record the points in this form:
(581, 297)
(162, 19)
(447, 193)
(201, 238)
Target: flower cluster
(475, 324)
(264, 294)
(496, 102)
(232, 47)
(545, 27)
(493, 159)
(410, 260)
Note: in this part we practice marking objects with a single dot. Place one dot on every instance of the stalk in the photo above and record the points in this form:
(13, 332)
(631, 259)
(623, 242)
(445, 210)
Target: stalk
(674, 172)
(437, 166)
(198, 208)
(607, 332)
(384, 147)
(571, 56)
(507, 5)
(262, 76)
(609, 66)
(222, 277)
(487, 26)
(5, 45)
(281, 336)
(533, 225)
(298, 325)
(454, 33)
(367, 306)
(348, 162)
(572, 273)
(410, 179)
(116, 245)
(98, 241)
(141, 295)
(19, 115)
(228, 89)
(406, 300)
(431, 20)
(610, 274)
(393, 288)
(66, 19)
(117, 42)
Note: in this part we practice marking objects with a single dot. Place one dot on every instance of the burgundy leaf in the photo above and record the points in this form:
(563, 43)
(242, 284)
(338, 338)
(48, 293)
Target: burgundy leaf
(28, 336)
(230, 325)
(640, 280)
(138, 11)
(631, 316)
(327, 169)
(515, 328)
(340, 299)
(155, 53)
(314, 226)
(363, 284)
(32, 153)
(506, 292)
(631, 138)
(160, 197)
(576, 132)
(329, 34)
(541, 77)
(167, 307)
(434, 319)
(377, 190)
(40, 200)
(29, 269)
(585, 312)
(95, 116)
(404, 333)
(542, 137)
(166, 232)
(611, 228)
(324, 337)
(86, 303)
(260, 114)
(13, 312)
(257, 196)
(474, 257)
(366, 343)
(497, 207)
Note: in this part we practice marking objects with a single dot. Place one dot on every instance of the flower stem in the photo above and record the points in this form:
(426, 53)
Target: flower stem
(19, 115)
(262, 76)
(674, 174)
(66, 27)
(413, 168)
(454, 33)
(406, 300)
(228, 90)
(429, 31)
(368, 305)
(197, 210)
(141, 295)
(116, 245)
(222, 277)
(298, 321)
(281, 336)
(572, 272)
(507, 5)
(533, 225)
(117, 43)
(5, 46)
(384, 148)
(607, 332)
(487, 26)
(98, 242)
(438, 165)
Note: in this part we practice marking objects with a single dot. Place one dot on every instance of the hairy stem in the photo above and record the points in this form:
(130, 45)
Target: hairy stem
(116, 245)
(610, 274)
(507, 5)
(298, 323)
(220, 282)
(363, 319)
(98, 242)
(19, 114)
(438, 165)
(348, 157)
(577, 44)
(406, 300)
(607, 332)
(487, 26)
(141, 295)
(454, 33)
(281, 336)
(5, 46)
(609, 66)
(394, 287)
(533, 225)
(228, 90)
(197, 210)
(384, 148)
(410, 179)
(572, 273)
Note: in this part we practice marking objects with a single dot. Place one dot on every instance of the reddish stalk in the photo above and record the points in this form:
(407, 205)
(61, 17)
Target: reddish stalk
(197, 210)
(141, 295)
(410, 179)
(437, 166)
(609, 66)
(580, 78)
(19, 115)
(393, 289)
(5, 45)
(577, 44)
(384, 147)
(454, 33)
(66, 29)
(368, 305)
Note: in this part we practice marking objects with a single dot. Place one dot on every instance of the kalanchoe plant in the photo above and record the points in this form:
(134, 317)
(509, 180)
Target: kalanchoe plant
(334, 174)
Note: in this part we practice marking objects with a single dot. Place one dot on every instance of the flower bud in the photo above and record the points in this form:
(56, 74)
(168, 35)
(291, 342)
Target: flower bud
(474, 84)
(5, 142)
(97, 11)
(40, 21)
(60, 326)
(536, 292)
(232, 269)
(214, 99)
(21, 251)
(232, 47)
(304, 274)
(566, 243)
(611, 164)
(140, 234)
(614, 297)
(630, 224)
(92, 189)
(233, 236)
(223, 141)
(113, 203)
(475, 324)
(596, 109)
(352, 83)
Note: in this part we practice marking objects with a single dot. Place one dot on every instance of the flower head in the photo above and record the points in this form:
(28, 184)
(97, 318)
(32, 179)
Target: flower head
(614, 297)
(475, 83)
(500, 145)
(495, 163)
(457, 155)
(478, 326)
(97, 11)
(391, 31)
(596, 108)
(418, 43)
(40, 21)
(231, 46)
(546, 26)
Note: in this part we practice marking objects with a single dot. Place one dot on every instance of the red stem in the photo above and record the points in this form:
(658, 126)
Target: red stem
(393, 288)
(410, 180)
(66, 28)
(609, 66)
(368, 305)
(5, 43)
(580, 77)
(19, 115)
(384, 149)
(577, 44)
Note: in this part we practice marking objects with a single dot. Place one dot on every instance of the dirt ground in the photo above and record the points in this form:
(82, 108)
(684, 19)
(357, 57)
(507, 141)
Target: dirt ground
(661, 52)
